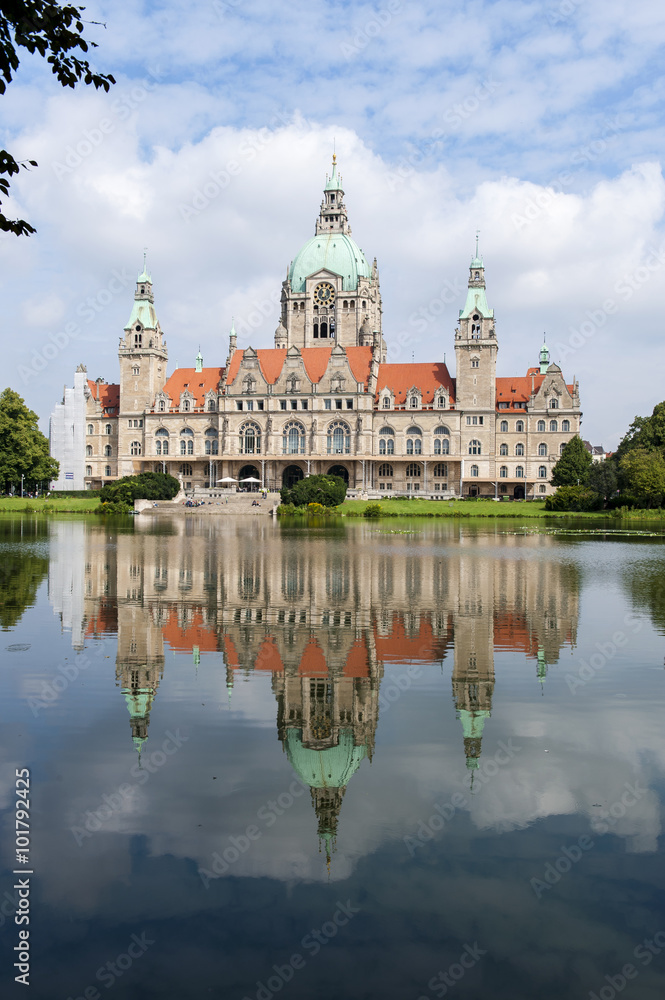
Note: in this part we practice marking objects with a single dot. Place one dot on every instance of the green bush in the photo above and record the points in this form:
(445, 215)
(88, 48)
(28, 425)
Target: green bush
(145, 486)
(574, 498)
(372, 510)
(329, 491)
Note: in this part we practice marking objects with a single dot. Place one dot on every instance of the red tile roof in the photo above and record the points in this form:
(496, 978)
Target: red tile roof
(428, 377)
(315, 359)
(108, 396)
(198, 383)
(518, 388)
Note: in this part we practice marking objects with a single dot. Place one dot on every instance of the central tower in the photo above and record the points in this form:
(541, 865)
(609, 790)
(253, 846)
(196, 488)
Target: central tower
(331, 294)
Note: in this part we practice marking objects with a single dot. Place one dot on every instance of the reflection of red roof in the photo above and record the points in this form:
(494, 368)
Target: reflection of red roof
(315, 360)
(426, 377)
(104, 621)
(313, 662)
(512, 633)
(231, 653)
(357, 662)
(184, 639)
(108, 396)
(398, 647)
(198, 383)
(268, 657)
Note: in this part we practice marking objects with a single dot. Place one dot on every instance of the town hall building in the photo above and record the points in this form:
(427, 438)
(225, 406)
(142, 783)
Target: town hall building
(324, 399)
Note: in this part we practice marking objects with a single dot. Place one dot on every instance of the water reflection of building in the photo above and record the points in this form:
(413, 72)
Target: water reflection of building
(324, 619)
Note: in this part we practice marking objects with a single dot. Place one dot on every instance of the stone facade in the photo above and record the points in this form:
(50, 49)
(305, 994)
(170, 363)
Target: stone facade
(325, 399)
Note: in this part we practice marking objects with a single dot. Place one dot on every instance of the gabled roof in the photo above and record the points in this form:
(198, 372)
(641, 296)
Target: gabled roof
(427, 377)
(198, 383)
(315, 359)
(108, 396)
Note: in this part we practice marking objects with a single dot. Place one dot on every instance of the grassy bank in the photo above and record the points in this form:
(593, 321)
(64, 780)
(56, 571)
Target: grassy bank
(487, 508)
(55, 505)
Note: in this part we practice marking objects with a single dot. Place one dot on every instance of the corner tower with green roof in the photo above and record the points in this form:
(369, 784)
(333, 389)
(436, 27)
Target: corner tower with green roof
(331, 294)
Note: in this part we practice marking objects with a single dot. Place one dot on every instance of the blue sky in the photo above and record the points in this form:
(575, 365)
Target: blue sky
(540, 124)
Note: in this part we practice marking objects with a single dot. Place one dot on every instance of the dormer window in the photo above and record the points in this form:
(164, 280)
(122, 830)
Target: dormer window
(185, 404)
(386, 402)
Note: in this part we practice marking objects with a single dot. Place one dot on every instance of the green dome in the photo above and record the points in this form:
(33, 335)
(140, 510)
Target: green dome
(335, 252)
(330, 768)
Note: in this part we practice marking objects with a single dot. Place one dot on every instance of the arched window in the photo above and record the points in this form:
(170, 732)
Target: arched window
(441, 440)
(541, 425)
(542, 449)
(135, 448)
(519, 426)
(474, 471)
(542, 472)
(88, 450)
(503, 472)
(136, 370)
(158, 447)
(138, 339)
(88, 470)
(108, 428)
(339, 439)
(554, 404)
(414, 441)
(503, 450)
(561, 447)
(413, 470)
(474, 447)
(386, 441)
(212, 446)
(554, 425)
(440, 470)
(386, 471)
(565, 425)
(185, 405)
(519, 449)
(250, 439)
(519, 472)
(386, 402)
(212, 405)
(108, 450)
(413, 402)
(162, 405)
(293, 439)
(504, 427)
(162, 441)
(186, 441)
(91, 429)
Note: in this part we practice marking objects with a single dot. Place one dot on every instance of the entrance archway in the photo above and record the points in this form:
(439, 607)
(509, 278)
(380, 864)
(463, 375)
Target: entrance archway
(518, 493)
(292, 474)
(245, 472)
(341, 471)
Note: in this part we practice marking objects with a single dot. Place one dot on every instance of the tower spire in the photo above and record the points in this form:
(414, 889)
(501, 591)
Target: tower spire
(333, 217)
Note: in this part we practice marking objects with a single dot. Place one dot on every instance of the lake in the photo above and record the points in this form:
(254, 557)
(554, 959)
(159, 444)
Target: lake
(343, 761)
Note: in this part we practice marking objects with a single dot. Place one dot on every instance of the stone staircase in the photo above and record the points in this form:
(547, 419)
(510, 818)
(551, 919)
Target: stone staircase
(230, 503)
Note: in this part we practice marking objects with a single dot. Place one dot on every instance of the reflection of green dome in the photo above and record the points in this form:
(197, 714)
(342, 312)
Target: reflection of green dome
(335, 252)
(473, 724)
(139, 703)
(331, 768)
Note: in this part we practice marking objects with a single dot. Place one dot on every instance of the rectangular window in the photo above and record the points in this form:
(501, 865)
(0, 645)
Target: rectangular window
(238, 404)
(382, 486)
(282, 404)
(338, 404)
(437, 487)
(294, 404)
(249, 404)
(349, 404)
(327, 404)
(475, 420)
(259, 404)
(303, 404)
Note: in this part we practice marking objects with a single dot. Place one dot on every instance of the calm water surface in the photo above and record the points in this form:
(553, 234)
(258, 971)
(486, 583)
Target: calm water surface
(400, 759)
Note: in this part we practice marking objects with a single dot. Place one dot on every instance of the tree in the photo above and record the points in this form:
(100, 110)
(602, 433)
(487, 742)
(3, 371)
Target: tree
(24, 450)
(574, 465)
(329, 491)
(643, 476)
(55, 33)
(603, 478)
(645, 432)
(574, 498)
(22, 567)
